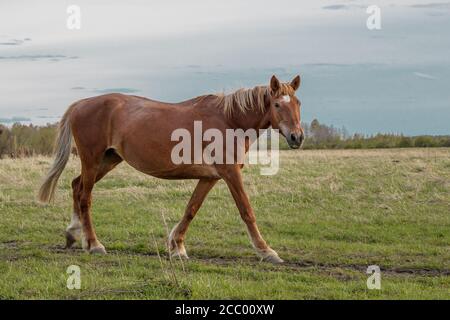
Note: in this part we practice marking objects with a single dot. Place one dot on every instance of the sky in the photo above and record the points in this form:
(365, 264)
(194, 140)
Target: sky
(392, 80)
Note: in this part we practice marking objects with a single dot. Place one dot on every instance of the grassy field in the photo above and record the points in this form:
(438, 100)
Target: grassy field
(329, 215)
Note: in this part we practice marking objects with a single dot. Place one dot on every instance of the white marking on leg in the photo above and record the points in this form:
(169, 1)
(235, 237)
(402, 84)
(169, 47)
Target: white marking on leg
(267, 254)
(176, 249)
(74, 228)
(172, 234)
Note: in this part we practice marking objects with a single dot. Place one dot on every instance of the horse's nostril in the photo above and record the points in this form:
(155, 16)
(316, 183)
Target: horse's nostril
(293, 137)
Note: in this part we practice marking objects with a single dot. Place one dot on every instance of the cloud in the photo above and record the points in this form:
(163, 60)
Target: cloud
(34, 57)
(424, 76)
(118, 90)
(47, 117)
(13, 42)
(336, 7)
(434, 5)
(325, 64)
(14, 119)
(193, 66)
(106, 90)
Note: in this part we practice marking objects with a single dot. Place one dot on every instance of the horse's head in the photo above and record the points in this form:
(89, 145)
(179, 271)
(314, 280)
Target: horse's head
(285, 111)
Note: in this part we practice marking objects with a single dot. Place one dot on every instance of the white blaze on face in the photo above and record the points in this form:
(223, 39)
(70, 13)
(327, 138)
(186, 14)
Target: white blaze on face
(286, 99)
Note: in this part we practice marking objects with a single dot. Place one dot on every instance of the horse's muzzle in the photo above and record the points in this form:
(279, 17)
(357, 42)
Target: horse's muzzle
(295, 140)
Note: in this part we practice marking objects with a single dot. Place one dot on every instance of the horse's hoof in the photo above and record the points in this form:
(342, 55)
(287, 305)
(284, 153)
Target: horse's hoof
(273, 259)
(179, 252)
(181, 255)
(100, 249)
(70, 240)
(271, 256)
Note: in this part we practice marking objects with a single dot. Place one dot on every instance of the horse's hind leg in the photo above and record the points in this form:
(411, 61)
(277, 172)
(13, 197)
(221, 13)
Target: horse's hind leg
(75, 228)
(89, 240)
(176, 237)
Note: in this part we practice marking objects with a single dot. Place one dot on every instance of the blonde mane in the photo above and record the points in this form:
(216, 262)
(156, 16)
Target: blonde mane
(249, 99)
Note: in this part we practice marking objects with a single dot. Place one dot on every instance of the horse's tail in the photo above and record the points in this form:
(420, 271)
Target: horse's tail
(62, 154)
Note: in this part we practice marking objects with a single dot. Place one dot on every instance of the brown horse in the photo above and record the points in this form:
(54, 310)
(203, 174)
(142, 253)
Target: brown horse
(111, 128)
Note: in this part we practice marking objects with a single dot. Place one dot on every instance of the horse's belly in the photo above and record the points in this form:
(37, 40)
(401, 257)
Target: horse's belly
(187, 172)
(178, 172)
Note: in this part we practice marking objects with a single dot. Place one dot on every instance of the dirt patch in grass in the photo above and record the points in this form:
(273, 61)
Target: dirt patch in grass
(297, 266)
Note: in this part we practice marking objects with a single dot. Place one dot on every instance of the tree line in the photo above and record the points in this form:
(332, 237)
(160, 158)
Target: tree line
(321, 136)
(28, 140)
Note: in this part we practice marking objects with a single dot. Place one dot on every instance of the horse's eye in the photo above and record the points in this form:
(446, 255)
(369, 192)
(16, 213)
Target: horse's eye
(277, 105)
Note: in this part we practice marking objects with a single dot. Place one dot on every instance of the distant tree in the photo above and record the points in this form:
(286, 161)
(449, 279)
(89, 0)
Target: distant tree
(445, 142)
(315, 124)
(405, 142)
(423, 141)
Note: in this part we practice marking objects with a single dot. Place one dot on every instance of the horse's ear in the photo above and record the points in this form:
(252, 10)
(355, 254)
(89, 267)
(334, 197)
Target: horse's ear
(295, 83)
(274, 85)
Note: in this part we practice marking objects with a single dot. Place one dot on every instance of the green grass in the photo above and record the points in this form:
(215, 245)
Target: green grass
(329, 215)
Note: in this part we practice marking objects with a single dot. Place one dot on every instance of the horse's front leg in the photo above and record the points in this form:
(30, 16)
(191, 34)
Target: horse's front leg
(232, 176)
(176, 237)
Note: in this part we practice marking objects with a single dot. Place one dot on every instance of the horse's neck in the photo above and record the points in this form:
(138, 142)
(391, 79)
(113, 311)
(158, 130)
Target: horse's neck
(252, 119)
